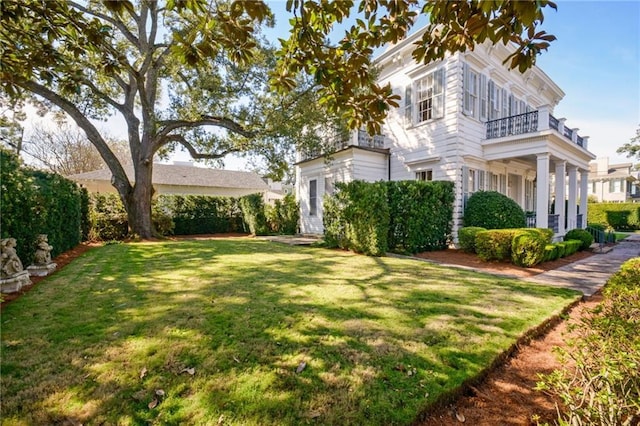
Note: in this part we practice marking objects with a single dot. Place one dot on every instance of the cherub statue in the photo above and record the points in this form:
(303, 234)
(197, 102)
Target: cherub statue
(10, 263)
(43, 251)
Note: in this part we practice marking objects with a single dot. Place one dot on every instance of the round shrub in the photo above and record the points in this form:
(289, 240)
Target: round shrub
(580, 234)
(467, 238)
(492, 210)
(528, 249)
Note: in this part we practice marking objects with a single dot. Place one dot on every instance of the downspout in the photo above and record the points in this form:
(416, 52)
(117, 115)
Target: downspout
(389, 167)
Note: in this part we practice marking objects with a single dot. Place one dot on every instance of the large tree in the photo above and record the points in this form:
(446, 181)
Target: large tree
(195, 73)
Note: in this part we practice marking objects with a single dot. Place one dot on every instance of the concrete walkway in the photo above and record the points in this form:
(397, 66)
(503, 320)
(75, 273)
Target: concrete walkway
(591, 274)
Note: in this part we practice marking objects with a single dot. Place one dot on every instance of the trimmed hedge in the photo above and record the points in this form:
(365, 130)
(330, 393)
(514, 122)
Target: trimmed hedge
(495, 244)
(37, 202)
(283, 217)
(528, 248)
(201, 214)
(420, 215)
(467, 238)
(619, 216)
(582, 235)
(252, 207)
(493, 210)
(404, 216)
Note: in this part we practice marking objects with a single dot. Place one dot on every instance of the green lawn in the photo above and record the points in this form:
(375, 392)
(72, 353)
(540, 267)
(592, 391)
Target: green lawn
(382, 338)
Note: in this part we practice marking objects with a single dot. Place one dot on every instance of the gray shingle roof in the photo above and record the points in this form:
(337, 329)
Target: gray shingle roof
(168, 174)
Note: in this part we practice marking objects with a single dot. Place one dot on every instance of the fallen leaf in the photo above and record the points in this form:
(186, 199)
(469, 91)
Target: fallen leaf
(220, 419)
(236, 360)
(301, 367)
(315, 414)
(143, 372)
(160, 392)
(460, 417)
(400, 367)
(191, 371)
(153, 404)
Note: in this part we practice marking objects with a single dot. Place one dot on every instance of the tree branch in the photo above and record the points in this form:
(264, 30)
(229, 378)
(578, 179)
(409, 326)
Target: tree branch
(193, 152)
(167, 126)
(124, 186)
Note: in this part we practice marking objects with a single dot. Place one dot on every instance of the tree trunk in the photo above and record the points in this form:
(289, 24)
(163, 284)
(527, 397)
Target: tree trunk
(138, 201)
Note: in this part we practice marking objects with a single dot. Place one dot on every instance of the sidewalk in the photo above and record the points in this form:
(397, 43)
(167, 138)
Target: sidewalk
(590, 274)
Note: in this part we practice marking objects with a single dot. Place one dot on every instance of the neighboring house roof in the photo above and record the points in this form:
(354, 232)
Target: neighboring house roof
(613, 171)
(167, 174)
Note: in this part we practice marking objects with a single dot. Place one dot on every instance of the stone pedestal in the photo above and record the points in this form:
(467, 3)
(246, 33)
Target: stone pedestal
(15, 282)
(41, 270)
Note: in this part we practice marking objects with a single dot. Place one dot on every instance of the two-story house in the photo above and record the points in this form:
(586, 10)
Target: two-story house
(470, 120)
(613, 183)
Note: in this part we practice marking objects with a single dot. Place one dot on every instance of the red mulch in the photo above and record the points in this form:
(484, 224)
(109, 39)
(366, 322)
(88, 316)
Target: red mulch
(507, 395)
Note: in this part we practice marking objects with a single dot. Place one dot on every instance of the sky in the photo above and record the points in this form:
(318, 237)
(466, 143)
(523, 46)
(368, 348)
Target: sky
(595, 61)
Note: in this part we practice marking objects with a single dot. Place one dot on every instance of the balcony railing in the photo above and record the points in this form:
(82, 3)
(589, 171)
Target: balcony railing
(360, 138)
(514, 125)
(530, 122)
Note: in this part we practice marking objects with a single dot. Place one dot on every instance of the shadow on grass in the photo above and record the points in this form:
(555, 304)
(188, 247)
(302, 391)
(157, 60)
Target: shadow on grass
(380, 339)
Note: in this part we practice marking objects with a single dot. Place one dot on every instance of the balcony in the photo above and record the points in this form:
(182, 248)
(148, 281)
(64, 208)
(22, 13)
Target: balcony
(339, 142)
(531, 122)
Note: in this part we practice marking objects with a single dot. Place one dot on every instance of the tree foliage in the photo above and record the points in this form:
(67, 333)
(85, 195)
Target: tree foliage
(631, 148)
(196, 73)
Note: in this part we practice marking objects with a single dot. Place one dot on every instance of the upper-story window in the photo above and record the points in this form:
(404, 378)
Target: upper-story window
(470, 101)
(429, 100)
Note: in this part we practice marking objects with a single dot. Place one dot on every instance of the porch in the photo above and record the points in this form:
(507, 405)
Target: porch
(558, 158)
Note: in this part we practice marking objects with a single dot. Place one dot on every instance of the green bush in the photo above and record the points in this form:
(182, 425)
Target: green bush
(366, 216)
(528, 248)
(550, 252)
(582, 235)
(108, 218)
(36, 202)
(201, 214)
(604, 386)
(495, 244)
(252, 207)
(284, 215)
(619, 216)
(420, 215)
(492, 210)
(335, 233)
(562, 249)
(467, 238)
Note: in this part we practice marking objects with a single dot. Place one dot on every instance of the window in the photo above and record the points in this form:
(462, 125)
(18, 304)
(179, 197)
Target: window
(505, 104)
(313, 197)
(616, 185)
(426, 175)
(503, 185)
(483, 97)
(430, 101)
(494, 93)
(593, 187)
(470, 99)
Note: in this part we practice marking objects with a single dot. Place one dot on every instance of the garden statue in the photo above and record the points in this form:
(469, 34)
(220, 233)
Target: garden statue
(43, 252)
(42, 264)
(12, 274)
(11, 263)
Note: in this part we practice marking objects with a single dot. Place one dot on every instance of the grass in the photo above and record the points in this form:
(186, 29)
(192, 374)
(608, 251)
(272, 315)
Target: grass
(381, 338)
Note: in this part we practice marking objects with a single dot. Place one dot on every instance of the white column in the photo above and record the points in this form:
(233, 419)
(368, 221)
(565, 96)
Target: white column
(561, 184)
(542, 191)
(584, 194)
(543, 117)
(572, 210)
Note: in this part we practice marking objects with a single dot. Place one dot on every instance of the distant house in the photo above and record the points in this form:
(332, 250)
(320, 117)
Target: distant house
(469, 120)
(615, 183)
(182, 180)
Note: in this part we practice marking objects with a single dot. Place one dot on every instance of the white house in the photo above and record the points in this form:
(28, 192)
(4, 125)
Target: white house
(470, 120)
(615, 183)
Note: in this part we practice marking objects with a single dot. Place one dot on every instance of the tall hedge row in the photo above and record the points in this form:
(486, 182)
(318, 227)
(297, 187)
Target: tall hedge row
(198, 214)
(36, 202)
(420, 215)
(619, 216)
(405, 216)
